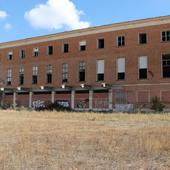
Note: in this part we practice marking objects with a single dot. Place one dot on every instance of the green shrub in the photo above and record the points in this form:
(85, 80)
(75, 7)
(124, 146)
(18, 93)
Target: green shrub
(156, 104)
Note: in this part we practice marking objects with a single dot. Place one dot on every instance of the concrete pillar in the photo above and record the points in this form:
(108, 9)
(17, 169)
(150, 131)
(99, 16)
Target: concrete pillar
(14, 99)
(30, 99)
(52, 96)
(111, 99)
(90, 99)
(2, 98)
(72, 99)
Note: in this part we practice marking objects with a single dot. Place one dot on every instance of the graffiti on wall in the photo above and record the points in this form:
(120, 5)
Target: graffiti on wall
(38, 104)
(83, 104)
(63, 103)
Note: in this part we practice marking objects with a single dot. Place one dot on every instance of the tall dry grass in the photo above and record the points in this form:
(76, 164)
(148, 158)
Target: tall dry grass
(57, 140)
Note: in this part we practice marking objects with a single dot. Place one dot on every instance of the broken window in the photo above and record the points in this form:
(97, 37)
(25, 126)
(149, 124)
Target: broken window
(35, 52)
(9, 76)
(82, 68)
(82, 45)
(166, 36)
(34, 74)
(100, 70)
(101, 43)
(50, 50)
(10, 55)
(49, 74)
(142, 38)
(64, 72)
(166, 65)
(143, 67)
(65, 47)
(22, 54)
(121, 68)
(21, 75)
(121, 41)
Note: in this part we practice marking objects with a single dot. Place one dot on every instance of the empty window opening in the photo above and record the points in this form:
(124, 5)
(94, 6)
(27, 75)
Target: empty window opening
(166, 65)
(101, 43)
(121, 68)
(142, 38)
(143, 67)
(166, 36)
(65, 73)
(121, 41)
(100, 70)
(82, 70)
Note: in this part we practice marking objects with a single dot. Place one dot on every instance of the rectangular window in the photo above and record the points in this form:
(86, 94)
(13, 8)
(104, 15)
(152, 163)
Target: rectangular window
(49, 74)
(21, 75)
(142, 38)
(82, 70)
(64, 72)
(121, 41)
(34, 74)
(10, 55)
(66, 48)
(166, 65)
(50, 50)
(22, 54)
(143, 67)
(35, 52)
(9, 76)
(100, 70)
(100, 43)
(82, 45)
(121, 68)
(166, 36)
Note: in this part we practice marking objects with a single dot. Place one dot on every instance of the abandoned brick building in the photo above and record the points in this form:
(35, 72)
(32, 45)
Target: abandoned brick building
(123, 64)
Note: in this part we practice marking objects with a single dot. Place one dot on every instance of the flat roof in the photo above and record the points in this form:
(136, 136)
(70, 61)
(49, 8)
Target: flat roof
(88, 31)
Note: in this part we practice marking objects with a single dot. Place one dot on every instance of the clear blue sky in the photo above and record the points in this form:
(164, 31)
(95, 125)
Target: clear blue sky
(27, 18)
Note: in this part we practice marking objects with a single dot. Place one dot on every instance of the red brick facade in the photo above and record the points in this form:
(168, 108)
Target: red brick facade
(131, 90)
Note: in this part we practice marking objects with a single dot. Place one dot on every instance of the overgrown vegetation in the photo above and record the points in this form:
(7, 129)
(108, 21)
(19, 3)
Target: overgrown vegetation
(157, 105)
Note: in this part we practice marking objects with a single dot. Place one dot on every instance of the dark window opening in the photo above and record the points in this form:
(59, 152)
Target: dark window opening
(82, 75)
(8, 83)
(22, 54)
(35, 52)
(166, 36)
(142, 38)
(49, 78)
(10, 56)
(83, 48)
(100, 43)
(100, 77)
(121, 41)
(34, 79)
(121, 76)
(21, 79)
(166, 65)
(66, 48)
(50, 50)
(143, 73)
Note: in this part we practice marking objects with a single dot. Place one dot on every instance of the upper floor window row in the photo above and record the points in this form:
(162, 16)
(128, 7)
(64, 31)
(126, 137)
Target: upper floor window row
(120, 42)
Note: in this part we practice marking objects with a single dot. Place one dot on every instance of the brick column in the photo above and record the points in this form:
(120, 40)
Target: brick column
(90, 99)
(72, 99)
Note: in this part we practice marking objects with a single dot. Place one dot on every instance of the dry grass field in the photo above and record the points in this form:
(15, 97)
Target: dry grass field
(84, 141)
